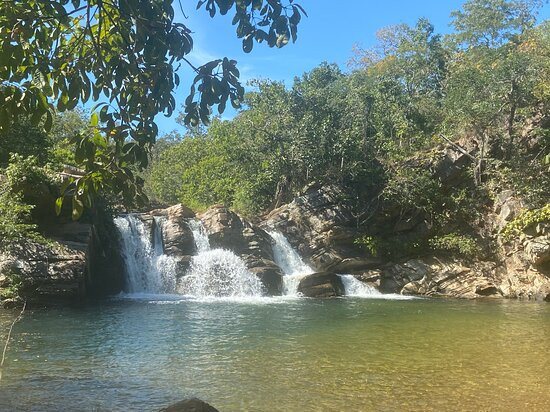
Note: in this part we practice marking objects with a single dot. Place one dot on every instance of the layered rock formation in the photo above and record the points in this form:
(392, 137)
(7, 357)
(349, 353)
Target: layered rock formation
(321, 227)
(85, 260)
(81, 261)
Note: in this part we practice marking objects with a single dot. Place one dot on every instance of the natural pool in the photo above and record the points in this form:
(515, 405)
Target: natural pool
(280, 355)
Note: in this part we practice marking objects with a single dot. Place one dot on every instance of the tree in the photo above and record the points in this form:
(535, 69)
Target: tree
(491, 83)
(405, 73)
(491, 23)
(123, 54)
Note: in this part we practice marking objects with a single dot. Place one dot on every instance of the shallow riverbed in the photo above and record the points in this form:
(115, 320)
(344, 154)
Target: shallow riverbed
(280, 354)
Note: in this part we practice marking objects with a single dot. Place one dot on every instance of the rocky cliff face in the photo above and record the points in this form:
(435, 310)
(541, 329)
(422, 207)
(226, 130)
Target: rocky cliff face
(321, 227)
(86, 261)
(81, 261)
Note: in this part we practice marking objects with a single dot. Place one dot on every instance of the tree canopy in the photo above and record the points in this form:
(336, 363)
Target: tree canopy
(124, 55)
(371, 130)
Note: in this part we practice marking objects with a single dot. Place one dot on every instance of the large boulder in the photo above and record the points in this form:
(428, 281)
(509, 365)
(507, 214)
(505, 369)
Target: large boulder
(177, 236)
(271, 277)
(538, 250)
(321, 285)
(506, 208)
(225, 229)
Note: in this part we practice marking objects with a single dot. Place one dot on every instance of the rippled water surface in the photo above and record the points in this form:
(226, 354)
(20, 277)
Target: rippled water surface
(280, 355)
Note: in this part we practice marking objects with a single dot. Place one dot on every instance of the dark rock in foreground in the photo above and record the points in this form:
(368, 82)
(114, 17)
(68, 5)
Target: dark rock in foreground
(321, 285)
(190, 405)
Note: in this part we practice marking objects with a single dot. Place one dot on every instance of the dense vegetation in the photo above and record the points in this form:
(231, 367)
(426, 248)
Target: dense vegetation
(30, 165)
(484, 90)
(375, 130)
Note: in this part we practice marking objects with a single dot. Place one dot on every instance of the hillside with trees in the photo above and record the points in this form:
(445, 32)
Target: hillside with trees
(374, 130)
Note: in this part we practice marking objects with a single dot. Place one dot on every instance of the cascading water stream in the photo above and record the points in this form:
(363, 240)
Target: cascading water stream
(212, 272)
(354, 287)
(295, 269)
(217, 272)
(148, 269)
(290, 262)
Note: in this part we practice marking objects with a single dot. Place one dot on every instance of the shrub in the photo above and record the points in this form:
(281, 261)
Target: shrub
(525, 220)
(369, 244)
(463, 245)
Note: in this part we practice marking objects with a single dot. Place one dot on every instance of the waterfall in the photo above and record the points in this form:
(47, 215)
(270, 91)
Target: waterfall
(200, 236)
(148, 269)
(354, 287)
(217, 272)
(290, 262)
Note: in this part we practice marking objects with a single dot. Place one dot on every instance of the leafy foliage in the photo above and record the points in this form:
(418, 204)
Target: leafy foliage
(457, 244)
(376, 131)
(123, 54)
(525, 220)
(16, 225)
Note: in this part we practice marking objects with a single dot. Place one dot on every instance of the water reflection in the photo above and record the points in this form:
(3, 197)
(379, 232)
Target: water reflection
(296, 355)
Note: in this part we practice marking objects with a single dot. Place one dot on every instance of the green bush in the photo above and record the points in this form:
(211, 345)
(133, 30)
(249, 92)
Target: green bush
(16, 226)
(525, 220)
(15, 221)
(462, 245)
(369, 244)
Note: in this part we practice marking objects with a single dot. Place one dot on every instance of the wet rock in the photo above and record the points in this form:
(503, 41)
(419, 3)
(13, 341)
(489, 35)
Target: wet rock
(228, 230)
(321, 285)
(225, 229)
(177, 236)
(190, 405)
(370, 277)
(271, 278)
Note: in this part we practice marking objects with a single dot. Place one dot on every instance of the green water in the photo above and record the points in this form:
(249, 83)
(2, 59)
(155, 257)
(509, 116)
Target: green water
(295, 355)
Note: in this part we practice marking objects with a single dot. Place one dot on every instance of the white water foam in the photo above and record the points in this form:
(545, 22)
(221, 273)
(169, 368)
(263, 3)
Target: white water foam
(356, 288)
(217, 272)
(290, 262)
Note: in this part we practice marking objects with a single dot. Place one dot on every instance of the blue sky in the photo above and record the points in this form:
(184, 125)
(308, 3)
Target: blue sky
(328, 34)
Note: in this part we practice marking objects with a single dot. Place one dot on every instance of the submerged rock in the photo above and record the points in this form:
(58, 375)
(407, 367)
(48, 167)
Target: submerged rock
(271, 278)
(321, 285)
(189, 405)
